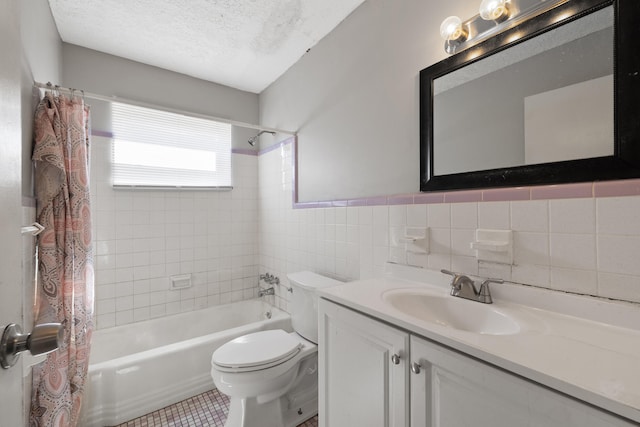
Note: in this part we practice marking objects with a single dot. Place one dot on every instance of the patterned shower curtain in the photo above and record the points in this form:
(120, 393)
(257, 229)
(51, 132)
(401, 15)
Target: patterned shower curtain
(65, 289)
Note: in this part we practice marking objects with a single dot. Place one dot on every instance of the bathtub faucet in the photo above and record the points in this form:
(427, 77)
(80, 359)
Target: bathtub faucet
(270, 279)
(266, 291)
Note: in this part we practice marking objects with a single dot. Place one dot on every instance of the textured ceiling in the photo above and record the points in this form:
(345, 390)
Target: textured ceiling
(245, 44)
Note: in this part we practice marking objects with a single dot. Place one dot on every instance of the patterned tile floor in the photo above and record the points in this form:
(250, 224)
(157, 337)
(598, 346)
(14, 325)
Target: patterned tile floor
(208, 409)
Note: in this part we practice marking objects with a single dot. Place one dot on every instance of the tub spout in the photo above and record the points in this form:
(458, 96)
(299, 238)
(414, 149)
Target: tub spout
(266, 291)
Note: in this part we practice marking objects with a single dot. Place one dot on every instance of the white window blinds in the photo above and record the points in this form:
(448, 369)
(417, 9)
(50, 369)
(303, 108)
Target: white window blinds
(153, 148)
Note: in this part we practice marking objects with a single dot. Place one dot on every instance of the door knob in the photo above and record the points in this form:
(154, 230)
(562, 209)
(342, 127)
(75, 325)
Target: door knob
(415, 368)
(43, 339)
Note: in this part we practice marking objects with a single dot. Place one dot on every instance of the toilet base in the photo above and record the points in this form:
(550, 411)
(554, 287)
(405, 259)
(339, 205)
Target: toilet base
(289, 410)
(250, 413)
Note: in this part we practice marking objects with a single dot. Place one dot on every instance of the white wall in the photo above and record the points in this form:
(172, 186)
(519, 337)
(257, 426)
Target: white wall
(354, 99)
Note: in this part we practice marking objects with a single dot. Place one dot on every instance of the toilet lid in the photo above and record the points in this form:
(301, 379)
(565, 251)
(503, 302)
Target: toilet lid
(257, 349)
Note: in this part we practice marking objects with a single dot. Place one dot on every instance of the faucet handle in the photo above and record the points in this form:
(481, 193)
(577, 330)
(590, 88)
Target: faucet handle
(459, 282)
(484, 293)
(487, 281)
(450, 273)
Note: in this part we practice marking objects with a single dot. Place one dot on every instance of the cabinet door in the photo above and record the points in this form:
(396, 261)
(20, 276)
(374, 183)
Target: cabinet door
(452, 390)
(363, 374)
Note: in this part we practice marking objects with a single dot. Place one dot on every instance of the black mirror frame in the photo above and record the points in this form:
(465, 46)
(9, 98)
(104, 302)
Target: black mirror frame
(625, 163)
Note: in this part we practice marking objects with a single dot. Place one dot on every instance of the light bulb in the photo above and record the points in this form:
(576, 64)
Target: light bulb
(494, 10)
(451, 29)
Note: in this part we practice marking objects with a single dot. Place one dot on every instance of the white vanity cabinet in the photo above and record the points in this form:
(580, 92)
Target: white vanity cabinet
(362, 383)
(364, 375)
(449, 389)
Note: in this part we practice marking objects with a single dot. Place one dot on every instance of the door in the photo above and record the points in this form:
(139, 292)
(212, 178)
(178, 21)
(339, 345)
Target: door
(363, 375)
(11, 296)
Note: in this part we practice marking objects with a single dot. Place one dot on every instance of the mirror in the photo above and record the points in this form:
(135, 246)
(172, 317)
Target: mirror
(548, 101)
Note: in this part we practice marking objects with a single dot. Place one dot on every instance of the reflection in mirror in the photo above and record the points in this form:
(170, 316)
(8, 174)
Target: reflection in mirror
(547, 99)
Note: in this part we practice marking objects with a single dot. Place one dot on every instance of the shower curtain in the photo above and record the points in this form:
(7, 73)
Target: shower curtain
(65, 259)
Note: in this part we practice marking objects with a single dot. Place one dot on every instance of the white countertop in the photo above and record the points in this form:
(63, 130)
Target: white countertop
(595, 359)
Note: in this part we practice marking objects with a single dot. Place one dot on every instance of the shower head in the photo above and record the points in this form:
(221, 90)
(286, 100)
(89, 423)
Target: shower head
(253, 139)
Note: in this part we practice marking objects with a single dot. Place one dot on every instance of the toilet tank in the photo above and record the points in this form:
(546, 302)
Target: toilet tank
(303, 306)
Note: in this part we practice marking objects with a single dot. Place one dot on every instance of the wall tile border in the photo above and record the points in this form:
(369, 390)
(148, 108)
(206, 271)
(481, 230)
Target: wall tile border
(244, 151)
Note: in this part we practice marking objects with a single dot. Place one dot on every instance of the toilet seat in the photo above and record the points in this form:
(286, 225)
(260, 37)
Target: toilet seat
(256, 351)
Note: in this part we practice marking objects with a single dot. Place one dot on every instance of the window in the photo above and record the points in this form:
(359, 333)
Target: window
(153, 148)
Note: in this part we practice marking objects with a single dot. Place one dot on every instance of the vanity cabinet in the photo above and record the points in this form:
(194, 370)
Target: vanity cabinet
(364, 375)
(449, 389)
(374, 374)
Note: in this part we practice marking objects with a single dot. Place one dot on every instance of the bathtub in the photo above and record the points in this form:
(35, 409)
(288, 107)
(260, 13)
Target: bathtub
(138, 368)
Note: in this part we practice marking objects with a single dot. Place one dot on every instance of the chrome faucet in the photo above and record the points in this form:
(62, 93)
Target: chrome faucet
(464, 287)
(266, 291)
(270, 279)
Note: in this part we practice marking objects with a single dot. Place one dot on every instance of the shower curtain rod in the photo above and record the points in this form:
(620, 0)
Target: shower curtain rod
(157, 107)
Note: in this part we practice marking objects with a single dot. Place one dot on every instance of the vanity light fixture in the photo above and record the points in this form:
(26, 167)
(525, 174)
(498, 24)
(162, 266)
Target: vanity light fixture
(494, 10)
(451, 30)
(494, 17)
(453, 33)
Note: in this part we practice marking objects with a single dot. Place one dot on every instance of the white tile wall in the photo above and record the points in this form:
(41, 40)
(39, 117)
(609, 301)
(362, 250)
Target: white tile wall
(587, 246)
(142, 238)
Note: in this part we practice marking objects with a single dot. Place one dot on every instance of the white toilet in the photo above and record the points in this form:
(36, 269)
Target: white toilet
(271, 376)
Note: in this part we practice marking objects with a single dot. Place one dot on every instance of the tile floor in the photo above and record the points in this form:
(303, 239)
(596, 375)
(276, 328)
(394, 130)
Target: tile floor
(208, 409)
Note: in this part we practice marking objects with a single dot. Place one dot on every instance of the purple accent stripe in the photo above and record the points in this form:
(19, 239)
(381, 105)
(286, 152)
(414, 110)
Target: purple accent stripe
(565, 191)
(358, 202)
(600, 189)
(294, 168)
(428, 198)
(628, 187)
(104, 133)
(28, 202)
(376, 201)
(400, 199)
(244, 151)
(463, 196)
(274, 147)
(305, 205)
(325, 204)
(506, 194)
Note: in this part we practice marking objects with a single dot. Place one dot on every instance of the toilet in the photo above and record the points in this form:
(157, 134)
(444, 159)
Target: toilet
(271, 377)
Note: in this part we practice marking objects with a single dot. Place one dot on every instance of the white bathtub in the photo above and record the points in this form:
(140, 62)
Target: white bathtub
(138, 368)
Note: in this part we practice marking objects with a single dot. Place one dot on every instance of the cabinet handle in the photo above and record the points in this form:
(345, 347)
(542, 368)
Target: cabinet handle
(395, 359)
(415, 368)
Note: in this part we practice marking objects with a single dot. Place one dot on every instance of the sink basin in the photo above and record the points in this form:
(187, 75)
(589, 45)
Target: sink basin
(452, 312)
